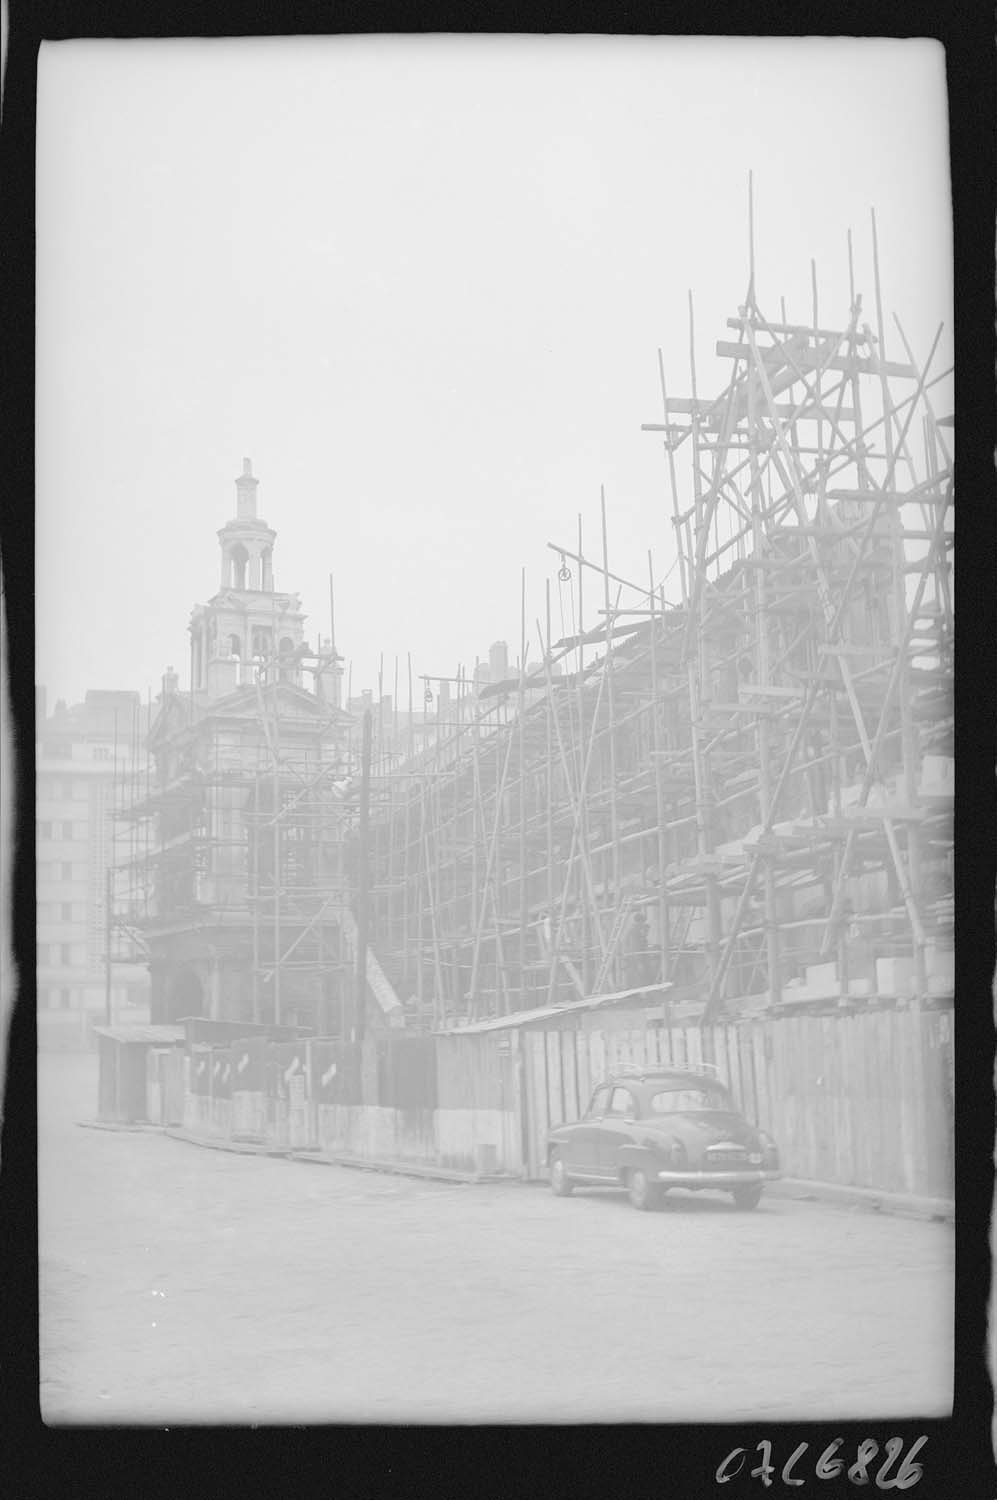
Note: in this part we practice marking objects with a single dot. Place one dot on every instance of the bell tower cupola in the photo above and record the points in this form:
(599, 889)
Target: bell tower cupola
(248, 628)
(247, 541)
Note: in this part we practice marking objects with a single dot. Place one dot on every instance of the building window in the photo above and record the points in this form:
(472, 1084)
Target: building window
(67, 870)
(101, 752)
(67, 911)
(65, 998)
(67, 788)
(67, 830)
(66, 955)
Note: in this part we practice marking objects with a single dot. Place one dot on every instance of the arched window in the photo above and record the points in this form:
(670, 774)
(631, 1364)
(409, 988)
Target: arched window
(240, 558)
(287, 665)
(234, 646)
(261, 641)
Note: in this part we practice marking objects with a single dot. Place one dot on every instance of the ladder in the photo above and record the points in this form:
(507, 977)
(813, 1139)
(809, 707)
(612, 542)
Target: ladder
(615, 934)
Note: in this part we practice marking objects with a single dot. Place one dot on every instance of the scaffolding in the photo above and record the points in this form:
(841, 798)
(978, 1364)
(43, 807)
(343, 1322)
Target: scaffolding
(740, 798)
(732, 800)
(236, 842)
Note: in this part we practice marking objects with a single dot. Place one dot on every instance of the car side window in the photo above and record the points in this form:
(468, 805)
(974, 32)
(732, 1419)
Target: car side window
(622, 1104)
(597, 1108)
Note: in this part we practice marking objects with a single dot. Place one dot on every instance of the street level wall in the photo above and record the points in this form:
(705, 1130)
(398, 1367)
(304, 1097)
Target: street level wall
(855, 1100)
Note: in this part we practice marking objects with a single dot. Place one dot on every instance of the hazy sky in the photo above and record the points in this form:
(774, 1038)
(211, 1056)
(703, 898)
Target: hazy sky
(422, 283)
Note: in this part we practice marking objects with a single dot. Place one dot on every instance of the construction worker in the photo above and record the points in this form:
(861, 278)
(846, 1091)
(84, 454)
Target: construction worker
(639, 960)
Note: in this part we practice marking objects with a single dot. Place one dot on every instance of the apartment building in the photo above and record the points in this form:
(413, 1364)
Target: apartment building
(86, 754)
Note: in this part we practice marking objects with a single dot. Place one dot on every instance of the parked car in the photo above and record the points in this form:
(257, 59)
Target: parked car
(649, 1130)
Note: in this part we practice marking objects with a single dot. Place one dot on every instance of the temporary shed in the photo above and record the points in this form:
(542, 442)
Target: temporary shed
(122, 1051)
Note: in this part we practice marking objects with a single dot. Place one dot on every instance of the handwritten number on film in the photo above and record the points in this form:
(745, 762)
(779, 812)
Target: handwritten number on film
(829, 1467)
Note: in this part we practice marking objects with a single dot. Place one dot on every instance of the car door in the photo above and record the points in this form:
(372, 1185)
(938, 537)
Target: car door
(615, 1130)
(583, 1144)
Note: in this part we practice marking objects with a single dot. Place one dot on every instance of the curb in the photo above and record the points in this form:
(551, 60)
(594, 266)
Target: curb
(905, 1204)
(240, 1148)
(400, 1169)
(120, 1127)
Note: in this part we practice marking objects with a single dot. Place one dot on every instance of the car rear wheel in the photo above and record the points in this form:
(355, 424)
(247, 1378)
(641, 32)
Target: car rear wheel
(560, 1182)
(748, 1197)
(644, 1193)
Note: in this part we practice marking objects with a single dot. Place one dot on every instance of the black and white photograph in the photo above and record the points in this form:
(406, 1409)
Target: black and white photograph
(494, 739)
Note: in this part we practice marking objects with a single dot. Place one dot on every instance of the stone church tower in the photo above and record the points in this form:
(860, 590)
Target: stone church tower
(241, 628)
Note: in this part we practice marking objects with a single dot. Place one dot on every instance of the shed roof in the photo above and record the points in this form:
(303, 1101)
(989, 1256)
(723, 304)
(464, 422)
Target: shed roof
(518, 1018)
(149, 1034)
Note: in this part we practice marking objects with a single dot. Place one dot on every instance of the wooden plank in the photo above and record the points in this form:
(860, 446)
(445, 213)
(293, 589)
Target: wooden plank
(887, 1174)
(789, 1083)
(904, 1074)
(597, 1057)
(843, 1032)
(685, 406)
(583, 1070)
(937, 1124)
(552, 1055)
(806, 360)
(851, 1073)
(745, 1038)
(744, 1068)
(569, 1074)
(868, 1109)
(538, 1118)
(919, 1174)
(781, 1110)
(808, 1100)
(732, 1065)
(827, 1139)
(763, 1114)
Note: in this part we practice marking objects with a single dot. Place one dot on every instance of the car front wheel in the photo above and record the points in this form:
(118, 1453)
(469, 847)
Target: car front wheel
(644, 1193)
(748, 1197)
(560, 1182)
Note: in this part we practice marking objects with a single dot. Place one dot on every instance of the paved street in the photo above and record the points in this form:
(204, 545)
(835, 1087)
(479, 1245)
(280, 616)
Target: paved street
(184, 1285)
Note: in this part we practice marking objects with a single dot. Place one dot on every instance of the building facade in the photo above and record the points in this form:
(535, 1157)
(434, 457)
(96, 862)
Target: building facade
(86, 756)
(239, 880)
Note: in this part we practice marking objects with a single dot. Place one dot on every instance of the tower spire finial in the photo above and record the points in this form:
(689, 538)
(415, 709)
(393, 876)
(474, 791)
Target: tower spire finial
(245, 488)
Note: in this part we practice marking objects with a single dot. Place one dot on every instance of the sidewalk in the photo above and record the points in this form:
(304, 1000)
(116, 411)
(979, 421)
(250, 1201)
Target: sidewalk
(402, 1168)
(906, 1204)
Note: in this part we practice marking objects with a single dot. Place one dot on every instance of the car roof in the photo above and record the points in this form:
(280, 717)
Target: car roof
(687, 1073)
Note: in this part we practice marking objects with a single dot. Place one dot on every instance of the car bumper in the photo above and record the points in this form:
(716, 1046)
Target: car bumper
(717, 1179)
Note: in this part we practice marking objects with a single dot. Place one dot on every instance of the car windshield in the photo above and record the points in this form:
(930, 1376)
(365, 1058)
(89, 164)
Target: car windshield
(670, 1101)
